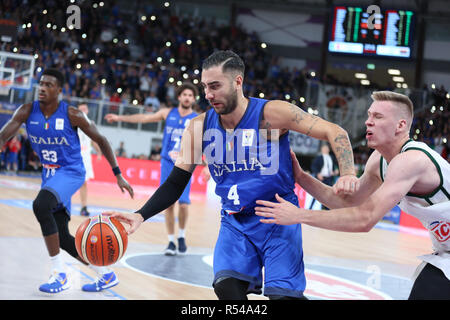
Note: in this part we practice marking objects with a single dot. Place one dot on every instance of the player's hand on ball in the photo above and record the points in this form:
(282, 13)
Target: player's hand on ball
(345, 185)
(132, 221)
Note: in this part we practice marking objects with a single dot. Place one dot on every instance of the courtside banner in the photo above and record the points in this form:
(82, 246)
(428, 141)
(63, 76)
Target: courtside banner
(141, 172)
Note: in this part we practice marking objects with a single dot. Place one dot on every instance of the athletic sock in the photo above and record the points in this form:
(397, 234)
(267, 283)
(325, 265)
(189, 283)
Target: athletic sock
(57, 264)
(100, 270)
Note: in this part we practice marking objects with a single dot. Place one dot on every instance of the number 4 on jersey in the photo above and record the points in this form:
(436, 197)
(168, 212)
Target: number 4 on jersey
(233, 195)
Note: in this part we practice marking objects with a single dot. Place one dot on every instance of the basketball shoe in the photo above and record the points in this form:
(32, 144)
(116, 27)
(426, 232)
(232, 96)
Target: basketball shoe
(105, 281)
(182, 246)
(84, 212)
(171, 249)
(57, 283)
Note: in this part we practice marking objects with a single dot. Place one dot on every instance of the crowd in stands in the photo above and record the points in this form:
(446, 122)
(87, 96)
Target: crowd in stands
(17, 155)
(112, 57)
(432, 124)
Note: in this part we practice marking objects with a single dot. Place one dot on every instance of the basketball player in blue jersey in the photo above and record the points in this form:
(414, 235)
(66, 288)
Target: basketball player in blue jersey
(246, 144)
(176, 120)
(52, 128)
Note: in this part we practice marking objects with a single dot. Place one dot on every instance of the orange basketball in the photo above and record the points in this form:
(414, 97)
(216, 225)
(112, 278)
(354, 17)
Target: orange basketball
(101, 240)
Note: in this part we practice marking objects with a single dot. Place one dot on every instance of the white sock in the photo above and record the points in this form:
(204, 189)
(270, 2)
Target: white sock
(181, 233)
(100, 270)
(57, 264)
(171, 237)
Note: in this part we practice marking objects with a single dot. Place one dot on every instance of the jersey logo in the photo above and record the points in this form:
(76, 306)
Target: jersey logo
(59, 124)
(247, 137)
(241, 150)
(254, 164)
(440, 230)
(49, 140)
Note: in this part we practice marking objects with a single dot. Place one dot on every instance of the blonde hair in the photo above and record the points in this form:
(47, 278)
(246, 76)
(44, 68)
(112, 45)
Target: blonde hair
(398, 98)
(404, 107)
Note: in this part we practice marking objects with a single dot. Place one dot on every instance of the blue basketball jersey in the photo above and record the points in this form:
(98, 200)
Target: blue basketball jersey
(244, 164)
(58, 146)
(54, 139)
(173, 130)
(248, 166)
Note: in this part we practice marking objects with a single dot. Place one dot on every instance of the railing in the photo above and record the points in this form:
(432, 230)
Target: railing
(99, 108)
(345, 106)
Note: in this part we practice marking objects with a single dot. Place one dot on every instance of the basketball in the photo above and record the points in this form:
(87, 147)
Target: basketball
(101, 240)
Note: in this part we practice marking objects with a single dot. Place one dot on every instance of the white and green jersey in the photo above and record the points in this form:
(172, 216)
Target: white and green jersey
(433, 209)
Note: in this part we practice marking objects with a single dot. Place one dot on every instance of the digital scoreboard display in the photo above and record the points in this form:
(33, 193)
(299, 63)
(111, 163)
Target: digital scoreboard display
(388, 33)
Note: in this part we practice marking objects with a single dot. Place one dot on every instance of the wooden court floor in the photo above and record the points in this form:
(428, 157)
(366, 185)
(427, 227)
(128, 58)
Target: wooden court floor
(25, 264)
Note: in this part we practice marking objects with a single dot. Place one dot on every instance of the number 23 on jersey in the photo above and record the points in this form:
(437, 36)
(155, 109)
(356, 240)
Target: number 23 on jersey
(50, 155)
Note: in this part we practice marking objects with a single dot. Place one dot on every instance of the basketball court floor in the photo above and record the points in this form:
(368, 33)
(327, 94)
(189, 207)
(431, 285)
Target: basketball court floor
(353, 266)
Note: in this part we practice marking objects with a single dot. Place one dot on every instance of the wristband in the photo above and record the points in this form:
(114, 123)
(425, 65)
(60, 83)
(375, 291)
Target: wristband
(116, 171)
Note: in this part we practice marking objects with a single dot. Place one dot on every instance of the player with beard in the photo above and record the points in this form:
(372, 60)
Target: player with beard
(177, 119)
(246, 145)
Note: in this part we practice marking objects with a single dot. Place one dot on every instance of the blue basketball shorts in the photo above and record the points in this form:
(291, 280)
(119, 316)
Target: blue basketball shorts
(166, 168)
(12, 157)
(63, 182)
(242, 253)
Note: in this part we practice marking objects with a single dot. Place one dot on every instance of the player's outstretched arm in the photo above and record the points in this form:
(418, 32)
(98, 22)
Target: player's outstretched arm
(80, 120)
(13, 125)
(325, 194)
(286, 116)
(403, 172)
(139, 118)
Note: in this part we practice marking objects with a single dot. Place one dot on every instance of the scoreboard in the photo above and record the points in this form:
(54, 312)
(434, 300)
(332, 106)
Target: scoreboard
(356, 31)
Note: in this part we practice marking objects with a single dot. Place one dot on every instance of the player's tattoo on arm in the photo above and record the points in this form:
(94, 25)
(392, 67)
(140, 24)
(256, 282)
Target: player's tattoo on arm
(344, 154)
(300, 115)
(315, 119)
(265, 128)
(297, 114)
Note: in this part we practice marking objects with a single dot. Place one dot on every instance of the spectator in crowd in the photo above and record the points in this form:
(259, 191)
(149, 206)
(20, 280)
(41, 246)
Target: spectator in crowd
(324, 167)
(152, 101)
(155, 154)
(120, 151)
(12, 157)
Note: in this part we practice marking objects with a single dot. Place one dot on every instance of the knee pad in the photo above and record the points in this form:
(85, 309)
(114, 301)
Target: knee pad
(231, 289)
(43, 207)
(66, 240)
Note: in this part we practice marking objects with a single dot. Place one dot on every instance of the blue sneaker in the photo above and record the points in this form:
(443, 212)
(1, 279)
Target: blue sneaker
(57, 283)
(106, 281)
(182, 246)
(84, 212)
(171, 249)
